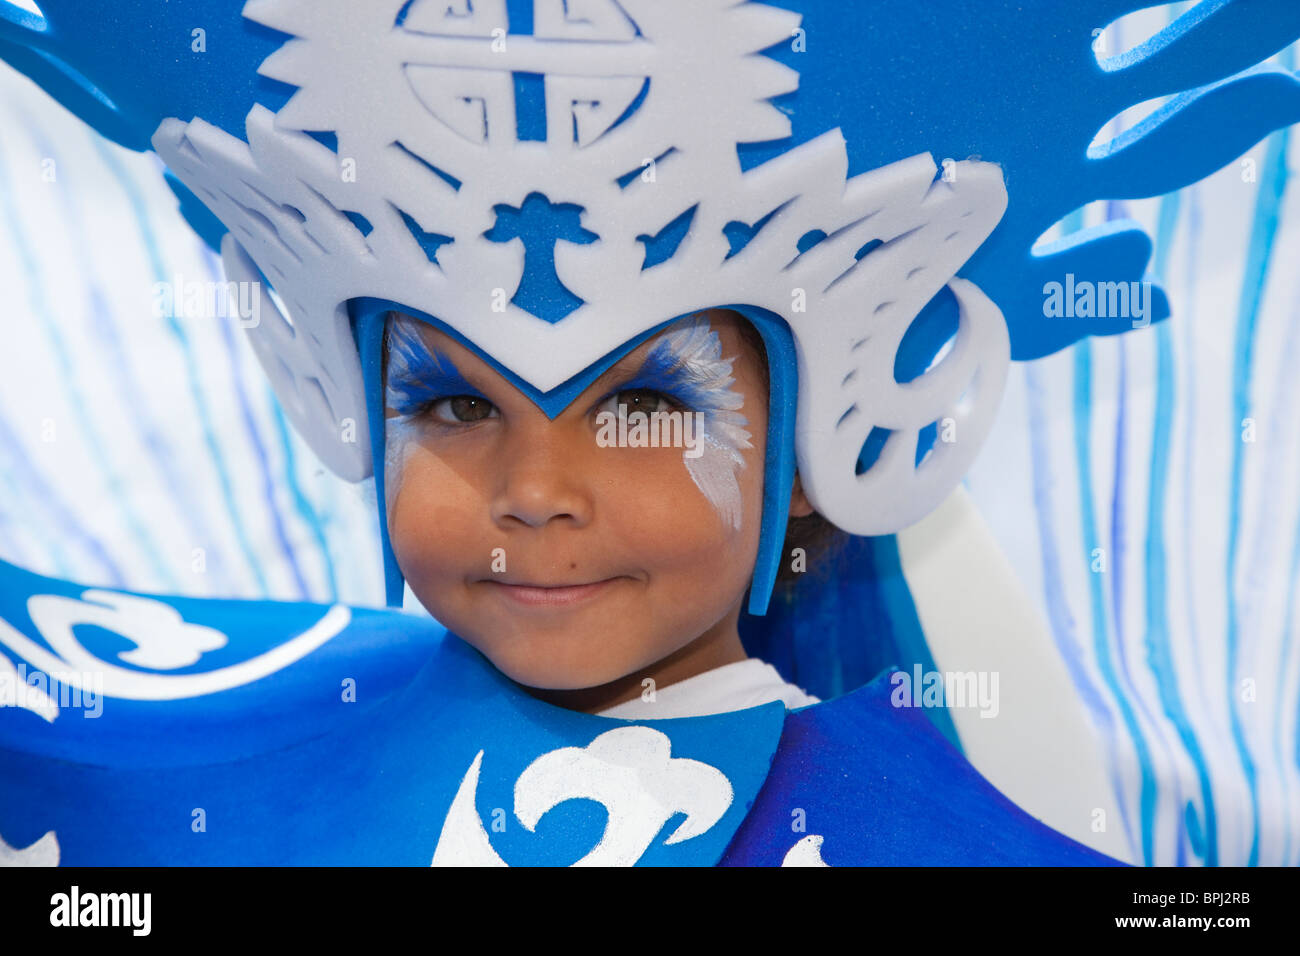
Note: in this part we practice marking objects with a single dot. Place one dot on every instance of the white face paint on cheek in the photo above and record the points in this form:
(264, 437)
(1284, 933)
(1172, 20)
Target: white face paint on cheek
(399, 441)
(693, 354)
(406, 350)
(714, 473)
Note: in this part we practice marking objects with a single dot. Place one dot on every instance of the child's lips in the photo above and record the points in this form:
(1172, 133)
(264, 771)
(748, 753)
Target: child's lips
(545, 595)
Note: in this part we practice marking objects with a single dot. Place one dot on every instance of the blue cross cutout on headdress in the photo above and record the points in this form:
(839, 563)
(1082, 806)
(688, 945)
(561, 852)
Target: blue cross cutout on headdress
(539, 224)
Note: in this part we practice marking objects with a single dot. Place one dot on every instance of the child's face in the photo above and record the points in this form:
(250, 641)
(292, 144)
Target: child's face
(663, 545)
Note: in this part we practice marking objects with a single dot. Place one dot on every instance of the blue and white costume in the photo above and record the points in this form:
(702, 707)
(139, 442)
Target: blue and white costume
(551, 183)
(329, 735)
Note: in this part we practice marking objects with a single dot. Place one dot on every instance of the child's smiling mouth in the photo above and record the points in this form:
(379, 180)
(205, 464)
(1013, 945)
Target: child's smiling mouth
(548, 595)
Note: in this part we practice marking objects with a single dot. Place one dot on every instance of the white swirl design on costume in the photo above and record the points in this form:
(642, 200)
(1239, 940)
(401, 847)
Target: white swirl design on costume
(162, 639)
(807, 852)
(628, 770)
(44, 852)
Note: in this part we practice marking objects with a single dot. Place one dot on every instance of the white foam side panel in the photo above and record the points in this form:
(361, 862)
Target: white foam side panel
(1040, 750)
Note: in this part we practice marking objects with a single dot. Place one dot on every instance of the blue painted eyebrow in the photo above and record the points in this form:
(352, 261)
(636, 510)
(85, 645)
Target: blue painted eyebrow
(418, 374)
(651, 379)
(665, 370)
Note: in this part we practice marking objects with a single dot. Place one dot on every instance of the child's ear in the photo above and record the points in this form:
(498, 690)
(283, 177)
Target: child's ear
(799, 506)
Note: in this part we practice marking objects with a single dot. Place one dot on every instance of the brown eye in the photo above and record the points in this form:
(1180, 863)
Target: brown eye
(642, 400)
(463, 409)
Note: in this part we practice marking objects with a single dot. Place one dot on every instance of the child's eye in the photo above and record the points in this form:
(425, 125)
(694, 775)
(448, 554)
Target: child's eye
(462, 409)
(639, 400)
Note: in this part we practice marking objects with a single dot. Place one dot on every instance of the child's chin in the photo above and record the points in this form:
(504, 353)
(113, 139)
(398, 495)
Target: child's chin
(549, 673)
(541, 677)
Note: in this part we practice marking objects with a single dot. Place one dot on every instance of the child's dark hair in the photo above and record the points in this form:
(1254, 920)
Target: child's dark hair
(819, 539)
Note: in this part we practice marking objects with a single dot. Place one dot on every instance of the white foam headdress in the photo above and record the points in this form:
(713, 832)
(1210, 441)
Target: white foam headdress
(645, 103)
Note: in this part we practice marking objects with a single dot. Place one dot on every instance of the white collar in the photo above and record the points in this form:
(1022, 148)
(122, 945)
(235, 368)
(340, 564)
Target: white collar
(735, 686)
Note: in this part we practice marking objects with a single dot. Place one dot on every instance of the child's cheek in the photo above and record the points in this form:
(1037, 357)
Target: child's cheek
(436, 525)
(673, 505)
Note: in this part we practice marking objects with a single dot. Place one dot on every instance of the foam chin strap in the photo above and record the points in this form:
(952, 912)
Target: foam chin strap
(368, 316)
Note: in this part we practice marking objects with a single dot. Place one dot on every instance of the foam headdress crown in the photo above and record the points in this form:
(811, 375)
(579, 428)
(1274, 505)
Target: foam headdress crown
(552, 179)
(644, 106)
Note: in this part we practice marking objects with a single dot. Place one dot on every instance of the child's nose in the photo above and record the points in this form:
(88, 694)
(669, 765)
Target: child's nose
(544, 476)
